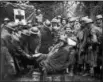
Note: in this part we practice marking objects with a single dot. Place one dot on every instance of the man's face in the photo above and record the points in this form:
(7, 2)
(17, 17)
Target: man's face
(54, 24)
(99, 21)
(63, 37)
(5, 22)
(77, 25)
(71, 23)
(63, 22)
(82, 23)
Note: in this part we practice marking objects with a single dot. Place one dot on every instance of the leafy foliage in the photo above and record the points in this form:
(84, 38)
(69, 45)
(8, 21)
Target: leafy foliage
(50, 9)
(90, 8)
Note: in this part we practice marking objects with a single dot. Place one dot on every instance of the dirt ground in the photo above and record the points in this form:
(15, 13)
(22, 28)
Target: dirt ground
(52, 78)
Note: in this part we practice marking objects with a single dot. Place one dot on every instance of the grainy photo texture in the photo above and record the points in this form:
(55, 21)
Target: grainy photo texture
(51, 40)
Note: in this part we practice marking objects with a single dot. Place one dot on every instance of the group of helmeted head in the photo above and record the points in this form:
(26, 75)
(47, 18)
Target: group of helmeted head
(28, 31)
(85, 20)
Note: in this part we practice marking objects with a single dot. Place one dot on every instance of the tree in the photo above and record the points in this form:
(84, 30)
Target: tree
(90, 8)
(50, 9)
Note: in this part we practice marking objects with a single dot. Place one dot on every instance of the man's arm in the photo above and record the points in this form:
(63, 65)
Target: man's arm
(84, 38)
(39, 45)
(22, 52)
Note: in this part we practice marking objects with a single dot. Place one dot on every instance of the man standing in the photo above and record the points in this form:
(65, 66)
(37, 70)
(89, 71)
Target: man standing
(39, 17)
(99, 24)
(84, 40)
(46, 34)
(34, 40)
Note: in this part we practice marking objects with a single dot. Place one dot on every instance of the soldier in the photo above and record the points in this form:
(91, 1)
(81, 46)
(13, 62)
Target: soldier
(63, 24)
(99, 31)
(56, 61)
(5, 55)
(77, 26)
(99, 21)
(47, 24)
(39, 17)
(83, 35)
(6, 20)
(30, 43)
(99, 24)
(13, 43)
(47, 38)
(93, 48)
(55, 24)
(34, 40)
(55, 29)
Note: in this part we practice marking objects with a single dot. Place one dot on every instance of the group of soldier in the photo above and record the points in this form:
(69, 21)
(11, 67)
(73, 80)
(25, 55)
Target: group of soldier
(71, 44)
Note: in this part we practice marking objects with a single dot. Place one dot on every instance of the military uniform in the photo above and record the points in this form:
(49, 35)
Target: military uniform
(99, 31)
(39, 19)
(46, 39)
(58, 61)
(12, 42)
(7, 66)
(84, 42)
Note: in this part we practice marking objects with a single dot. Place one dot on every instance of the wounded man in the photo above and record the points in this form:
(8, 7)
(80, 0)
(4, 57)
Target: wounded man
(58, 58)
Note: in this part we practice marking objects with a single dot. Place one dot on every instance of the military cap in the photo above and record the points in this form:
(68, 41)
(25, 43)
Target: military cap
(72, 19)
(89, 21)
(47, 22)
(25, 32)
(63, 37)
(54, 20)
(38, 10)
(99, 17)
(34, 30)
(59, 16)
(12, 24)
(6, 19)
(84, 18)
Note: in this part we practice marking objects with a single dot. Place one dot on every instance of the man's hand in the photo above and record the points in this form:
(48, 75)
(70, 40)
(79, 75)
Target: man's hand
(28, 56)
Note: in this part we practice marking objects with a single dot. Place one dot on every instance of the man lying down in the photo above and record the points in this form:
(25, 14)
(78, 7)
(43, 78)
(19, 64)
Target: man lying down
(58, 58)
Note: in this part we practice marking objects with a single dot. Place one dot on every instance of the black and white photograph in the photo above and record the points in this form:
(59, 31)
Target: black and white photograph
(51, 40)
